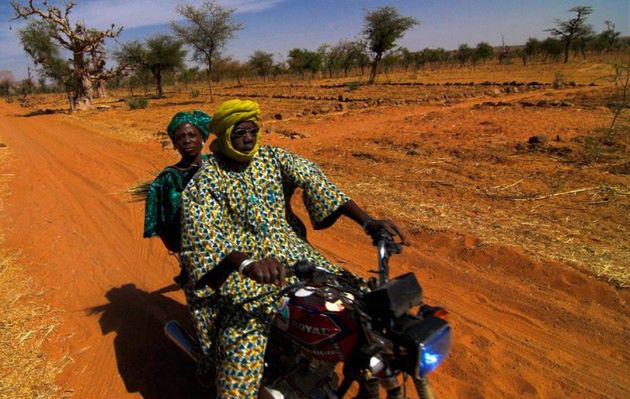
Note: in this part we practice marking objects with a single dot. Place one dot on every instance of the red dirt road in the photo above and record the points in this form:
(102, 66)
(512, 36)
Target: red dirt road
(521, 328)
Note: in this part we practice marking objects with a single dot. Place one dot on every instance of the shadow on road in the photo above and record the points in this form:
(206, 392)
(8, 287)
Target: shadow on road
(147, 361)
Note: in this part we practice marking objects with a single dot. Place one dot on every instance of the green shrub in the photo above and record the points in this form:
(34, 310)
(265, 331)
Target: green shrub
(559, 80)
(351, 86)
(194, 93)
(137, 102)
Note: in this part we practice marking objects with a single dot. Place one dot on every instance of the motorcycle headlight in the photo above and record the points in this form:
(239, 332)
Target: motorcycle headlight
(426, 342)
(433, 350)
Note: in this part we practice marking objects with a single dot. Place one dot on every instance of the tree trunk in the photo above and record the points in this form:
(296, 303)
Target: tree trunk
(83, 84)
(209, 80)
(158, 83)
(567, 45)
(101, 91)
(69, 93)
(377, 59)
(83, 94)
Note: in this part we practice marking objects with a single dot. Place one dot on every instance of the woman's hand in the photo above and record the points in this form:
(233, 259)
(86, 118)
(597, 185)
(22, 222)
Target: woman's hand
(373, 226)
(265, 271)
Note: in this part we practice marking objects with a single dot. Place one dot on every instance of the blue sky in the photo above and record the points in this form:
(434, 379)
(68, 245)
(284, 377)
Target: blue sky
(278, 25)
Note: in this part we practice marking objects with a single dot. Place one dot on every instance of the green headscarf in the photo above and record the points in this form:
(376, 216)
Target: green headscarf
(227, 115)
(199, 119)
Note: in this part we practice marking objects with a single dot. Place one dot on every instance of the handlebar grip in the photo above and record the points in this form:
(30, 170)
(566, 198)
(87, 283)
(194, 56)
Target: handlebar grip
(383, 234)
(303, 270)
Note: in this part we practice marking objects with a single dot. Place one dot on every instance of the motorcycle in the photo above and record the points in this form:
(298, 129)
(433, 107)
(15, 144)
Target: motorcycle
(330, 319)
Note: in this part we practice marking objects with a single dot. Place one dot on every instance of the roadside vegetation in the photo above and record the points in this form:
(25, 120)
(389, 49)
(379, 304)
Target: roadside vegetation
(25, 324)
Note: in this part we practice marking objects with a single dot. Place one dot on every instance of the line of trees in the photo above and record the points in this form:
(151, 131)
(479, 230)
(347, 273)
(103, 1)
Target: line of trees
(49, 38)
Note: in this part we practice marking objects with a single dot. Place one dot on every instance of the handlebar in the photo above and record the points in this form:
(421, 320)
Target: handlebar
(305, 270)
(386, 247)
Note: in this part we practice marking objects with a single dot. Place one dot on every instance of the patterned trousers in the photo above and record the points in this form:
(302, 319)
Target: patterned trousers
(235, 351)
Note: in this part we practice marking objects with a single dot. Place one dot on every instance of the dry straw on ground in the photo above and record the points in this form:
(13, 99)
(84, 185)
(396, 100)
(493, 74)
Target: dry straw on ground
(533, 231)
(25, 323)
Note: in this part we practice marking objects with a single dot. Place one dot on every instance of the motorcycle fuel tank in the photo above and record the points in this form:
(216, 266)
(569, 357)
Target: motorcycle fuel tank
(321, 322)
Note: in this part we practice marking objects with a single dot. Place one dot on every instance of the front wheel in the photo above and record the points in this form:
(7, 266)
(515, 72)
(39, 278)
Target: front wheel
(423, 388)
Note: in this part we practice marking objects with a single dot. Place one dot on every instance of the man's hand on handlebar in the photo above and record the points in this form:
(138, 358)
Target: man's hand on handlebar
(266, 271)
(373, 228)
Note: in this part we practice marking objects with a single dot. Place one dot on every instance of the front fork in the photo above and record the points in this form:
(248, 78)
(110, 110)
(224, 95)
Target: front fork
(369, 387)
(423, 388)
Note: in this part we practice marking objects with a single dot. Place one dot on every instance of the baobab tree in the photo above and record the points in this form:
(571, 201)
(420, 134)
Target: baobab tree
(79, 40)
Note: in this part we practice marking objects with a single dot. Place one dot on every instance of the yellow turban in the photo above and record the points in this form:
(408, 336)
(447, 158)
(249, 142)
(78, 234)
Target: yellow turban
(226, 116)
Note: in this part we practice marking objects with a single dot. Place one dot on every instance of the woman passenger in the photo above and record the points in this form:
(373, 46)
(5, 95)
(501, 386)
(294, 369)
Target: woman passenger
(188, 131)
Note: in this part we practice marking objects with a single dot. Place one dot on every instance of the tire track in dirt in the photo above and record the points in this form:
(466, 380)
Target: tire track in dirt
(81, 240)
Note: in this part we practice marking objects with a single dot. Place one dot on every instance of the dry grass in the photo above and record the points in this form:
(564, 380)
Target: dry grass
(576, 241)
(139, 191)
(25, 324)
(583, 72)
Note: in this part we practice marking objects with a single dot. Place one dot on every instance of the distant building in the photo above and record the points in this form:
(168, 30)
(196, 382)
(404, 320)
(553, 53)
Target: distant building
(7, 76)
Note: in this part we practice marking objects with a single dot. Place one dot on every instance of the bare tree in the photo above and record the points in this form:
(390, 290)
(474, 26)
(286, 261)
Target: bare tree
(504, 52)
(610, 35)
(382, 28)
(78, 39)
(207, 30)
(97, 62)
(571, 30)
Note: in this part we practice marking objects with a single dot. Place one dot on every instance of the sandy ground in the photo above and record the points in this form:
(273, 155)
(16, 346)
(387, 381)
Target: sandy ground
(523, 327)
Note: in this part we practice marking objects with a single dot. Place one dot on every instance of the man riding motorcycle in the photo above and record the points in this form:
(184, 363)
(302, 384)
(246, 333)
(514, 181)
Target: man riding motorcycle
(237, 242)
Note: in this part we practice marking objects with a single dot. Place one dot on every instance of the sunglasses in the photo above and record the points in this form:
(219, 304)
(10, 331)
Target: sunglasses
(238, 133)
